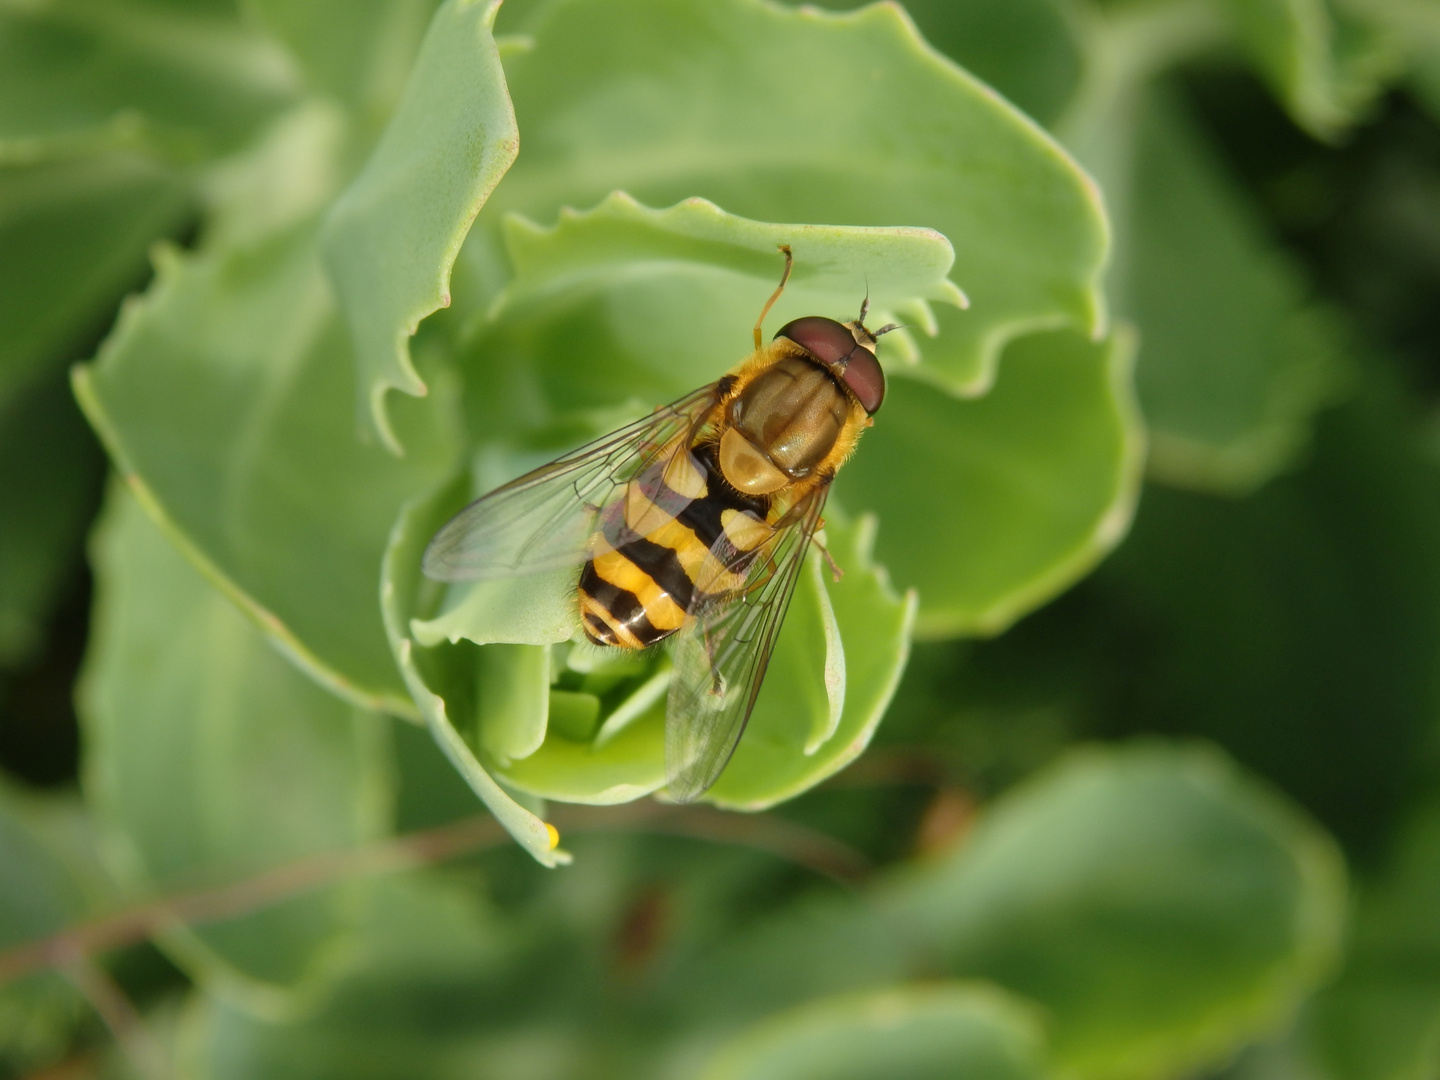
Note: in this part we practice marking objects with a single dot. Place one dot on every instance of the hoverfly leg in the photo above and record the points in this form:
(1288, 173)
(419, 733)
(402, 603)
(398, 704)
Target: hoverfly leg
(836, 573)
(717, 682)
(784, 277)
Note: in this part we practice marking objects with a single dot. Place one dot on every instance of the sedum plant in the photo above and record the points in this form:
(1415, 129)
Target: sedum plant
(379, 257)
(560, 321)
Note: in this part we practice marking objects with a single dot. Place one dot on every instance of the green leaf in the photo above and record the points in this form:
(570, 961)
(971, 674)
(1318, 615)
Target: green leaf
(442, 680)
(794, 740)
(901, 268)
(51, 879)
(50, 478)
(87, 73)
(51, 874)
(40, 1018)
(1408, 30)
(426, 992)
(1271, 623)
(835, 666)
(580, 362)
(1026, 49)
(916, 1032)
(644, 115)
(284, 178)
(1161, 907)
(73, 237)
(1381, 1019)
(988, 508)
(513, 699)
(1323, 76)
(225, 398)
(627, 766)
(359, 52)
(1233, 360)
(210, 759)
(391, 238)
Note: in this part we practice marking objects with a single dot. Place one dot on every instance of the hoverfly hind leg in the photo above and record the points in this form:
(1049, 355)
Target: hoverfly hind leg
(836, 572)
(717, 679)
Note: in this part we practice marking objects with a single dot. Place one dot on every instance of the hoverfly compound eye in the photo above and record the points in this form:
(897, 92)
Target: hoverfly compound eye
(865, 379)
(825, 339)
(835, 345)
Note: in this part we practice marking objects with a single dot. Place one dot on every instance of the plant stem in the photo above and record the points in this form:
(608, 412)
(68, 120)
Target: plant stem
(139, 1045)
(796, 843)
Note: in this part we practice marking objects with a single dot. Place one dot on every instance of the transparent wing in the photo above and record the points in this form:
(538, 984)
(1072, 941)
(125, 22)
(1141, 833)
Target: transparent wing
(720, 659)
(543, 520)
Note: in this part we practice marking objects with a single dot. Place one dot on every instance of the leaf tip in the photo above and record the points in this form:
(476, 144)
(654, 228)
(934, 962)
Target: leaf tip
(955, 295)
(380, 418)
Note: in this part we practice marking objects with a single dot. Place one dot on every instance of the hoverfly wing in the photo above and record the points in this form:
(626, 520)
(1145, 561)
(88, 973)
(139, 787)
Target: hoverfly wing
(543, 520)
(719, 659)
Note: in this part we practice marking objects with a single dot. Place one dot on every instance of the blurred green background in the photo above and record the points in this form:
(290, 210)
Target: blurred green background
(1141, 619)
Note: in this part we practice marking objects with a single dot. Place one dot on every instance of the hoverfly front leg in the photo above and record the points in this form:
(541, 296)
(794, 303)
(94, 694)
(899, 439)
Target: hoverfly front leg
(784, 277)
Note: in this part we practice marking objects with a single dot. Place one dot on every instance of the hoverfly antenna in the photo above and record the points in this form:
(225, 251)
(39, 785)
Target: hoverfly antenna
(865, 304)
(784, 277)
(887, 328)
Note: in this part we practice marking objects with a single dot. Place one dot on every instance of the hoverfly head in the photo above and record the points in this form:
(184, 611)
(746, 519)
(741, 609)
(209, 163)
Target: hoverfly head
(847, 350)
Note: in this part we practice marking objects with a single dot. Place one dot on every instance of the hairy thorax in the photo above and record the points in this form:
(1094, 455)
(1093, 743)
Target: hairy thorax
(782, 426)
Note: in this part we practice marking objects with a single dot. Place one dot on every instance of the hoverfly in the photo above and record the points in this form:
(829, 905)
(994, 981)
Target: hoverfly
(691, 525)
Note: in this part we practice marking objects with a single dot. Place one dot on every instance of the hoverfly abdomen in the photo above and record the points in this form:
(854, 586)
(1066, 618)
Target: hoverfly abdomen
(671, 552)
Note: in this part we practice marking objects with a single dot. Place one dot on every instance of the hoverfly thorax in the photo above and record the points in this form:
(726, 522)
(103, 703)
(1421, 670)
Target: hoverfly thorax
(785, 422)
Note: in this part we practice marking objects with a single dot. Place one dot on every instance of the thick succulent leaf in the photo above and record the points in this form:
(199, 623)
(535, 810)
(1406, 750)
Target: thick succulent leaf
(283, 178)
(50, 478)
(565, 368)
(210, 758)
(424, 993)
(1026, 49)
(1381, 1019)
(391, 238)
(1233, 360)
(52, 875)
(1161, 907)
(1323, 75)
(40, 1019)
(937, 149)
(73, 237)
(794, 739)
(896, 267)
(225, 397)
(629, 765)
(359, 52)
(51, 879)
(988, 508)
(1270, 623)
(442, 680)
(928, 1030)
(86, 73)
(512, 702)
(835, 666)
